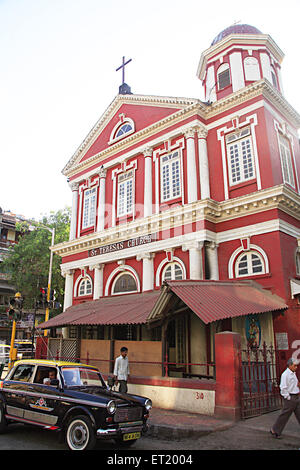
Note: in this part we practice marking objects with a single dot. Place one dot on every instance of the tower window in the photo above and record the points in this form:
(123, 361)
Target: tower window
(223, 76)
(286, 160)
(251, 67)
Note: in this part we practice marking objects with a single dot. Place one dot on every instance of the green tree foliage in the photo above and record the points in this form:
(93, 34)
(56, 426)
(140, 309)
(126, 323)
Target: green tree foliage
(28, 260)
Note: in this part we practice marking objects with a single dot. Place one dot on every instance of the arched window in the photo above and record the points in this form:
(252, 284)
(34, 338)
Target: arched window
(124, 283)
(172, 272)
(223, 76)
(251, 67)
(85, 287)
(249, 263)
(123, 129)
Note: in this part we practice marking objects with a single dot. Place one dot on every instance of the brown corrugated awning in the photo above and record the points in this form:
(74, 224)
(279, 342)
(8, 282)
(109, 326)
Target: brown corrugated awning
(114, 310)
(217, 300)
(209, 300)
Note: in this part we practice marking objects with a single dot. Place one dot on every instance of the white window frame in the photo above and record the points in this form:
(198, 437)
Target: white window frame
(223, 68)
(123, 120)
(126, 190)
(86, 282)
(251, 69)
(89, 207)
(249, 264)
(173, 265)
(239, 252)
(286, 160)
(167, 163)
(123, 273)
(251, 122)
(240, 157)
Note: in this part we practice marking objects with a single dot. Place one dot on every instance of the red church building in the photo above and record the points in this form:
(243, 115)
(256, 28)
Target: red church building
(185, 212)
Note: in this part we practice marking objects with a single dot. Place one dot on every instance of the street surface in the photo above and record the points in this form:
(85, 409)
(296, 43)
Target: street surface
(241, 436)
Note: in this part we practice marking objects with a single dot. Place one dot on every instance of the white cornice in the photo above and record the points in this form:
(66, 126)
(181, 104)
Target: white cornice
(279, 197)
(238, 40)
(261, 87)
(146, 100)
(192, 107)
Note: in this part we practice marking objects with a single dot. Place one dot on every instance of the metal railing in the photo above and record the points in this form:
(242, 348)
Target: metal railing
(145, 368)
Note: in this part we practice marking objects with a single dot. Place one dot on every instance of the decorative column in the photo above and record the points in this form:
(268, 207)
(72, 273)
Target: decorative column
(212, 254)
(68, 298)
(101, 205)
(148, 270)
(98, 280)
(148, 182)
(195, 258)
(74, 188)
(203, 164)
(191, 165)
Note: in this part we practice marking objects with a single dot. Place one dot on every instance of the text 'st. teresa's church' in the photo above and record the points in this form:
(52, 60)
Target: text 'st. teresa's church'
(185, 213)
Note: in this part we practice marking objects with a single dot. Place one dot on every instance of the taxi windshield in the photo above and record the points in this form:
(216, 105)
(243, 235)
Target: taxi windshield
(78, 376)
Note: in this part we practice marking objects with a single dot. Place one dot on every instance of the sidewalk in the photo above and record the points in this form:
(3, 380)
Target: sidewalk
(171, 424)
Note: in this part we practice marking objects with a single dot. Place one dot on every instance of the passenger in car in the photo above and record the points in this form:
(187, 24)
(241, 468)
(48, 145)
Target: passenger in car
(51, 376)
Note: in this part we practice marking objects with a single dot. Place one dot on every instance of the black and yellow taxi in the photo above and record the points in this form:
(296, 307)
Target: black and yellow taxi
(71, 398)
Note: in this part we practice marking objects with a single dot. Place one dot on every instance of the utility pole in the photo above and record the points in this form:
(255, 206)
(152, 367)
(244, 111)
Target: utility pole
(49, 280)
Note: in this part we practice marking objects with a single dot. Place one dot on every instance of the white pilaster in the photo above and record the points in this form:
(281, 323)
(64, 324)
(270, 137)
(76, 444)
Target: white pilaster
(148, 182)
(74, 187)
(148, 271)
(195, 259)
(68, 299)
(191, 165)
(98, 281)
(101, 205)
(212, 254)
(203, 164)
(237, 72)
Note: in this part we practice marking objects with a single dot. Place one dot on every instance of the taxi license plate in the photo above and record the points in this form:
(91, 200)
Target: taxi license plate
(131, 435)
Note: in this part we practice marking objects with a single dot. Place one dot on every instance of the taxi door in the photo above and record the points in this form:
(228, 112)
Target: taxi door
(42, 401)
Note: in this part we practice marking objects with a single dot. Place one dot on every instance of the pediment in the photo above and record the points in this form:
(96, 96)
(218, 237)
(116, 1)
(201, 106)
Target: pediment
(138, 111)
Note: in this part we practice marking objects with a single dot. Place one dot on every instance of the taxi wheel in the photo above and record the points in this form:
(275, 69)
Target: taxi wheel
(80, 434)
(3, 423)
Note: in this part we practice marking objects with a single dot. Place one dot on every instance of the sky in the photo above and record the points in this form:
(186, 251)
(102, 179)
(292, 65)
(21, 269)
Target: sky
(58, 74)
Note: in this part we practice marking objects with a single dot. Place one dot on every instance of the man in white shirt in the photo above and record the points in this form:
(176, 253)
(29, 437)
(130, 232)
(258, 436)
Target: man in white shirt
(289, 389)
(121, 370)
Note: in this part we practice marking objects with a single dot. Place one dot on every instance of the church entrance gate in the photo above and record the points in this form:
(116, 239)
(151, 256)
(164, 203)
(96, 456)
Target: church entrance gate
(259, 381)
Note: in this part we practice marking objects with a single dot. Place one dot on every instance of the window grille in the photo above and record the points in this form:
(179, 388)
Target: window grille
(89, 208)
(170, 176)
(240, 156)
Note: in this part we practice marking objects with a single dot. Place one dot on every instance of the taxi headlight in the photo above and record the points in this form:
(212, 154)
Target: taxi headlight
(111, 407)
(148, 404)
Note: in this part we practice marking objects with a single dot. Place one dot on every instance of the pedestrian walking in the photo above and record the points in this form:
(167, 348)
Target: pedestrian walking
(121, 370)
(289, 389)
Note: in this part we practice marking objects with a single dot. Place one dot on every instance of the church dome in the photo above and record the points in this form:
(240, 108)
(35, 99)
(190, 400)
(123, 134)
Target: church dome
(236, 29)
